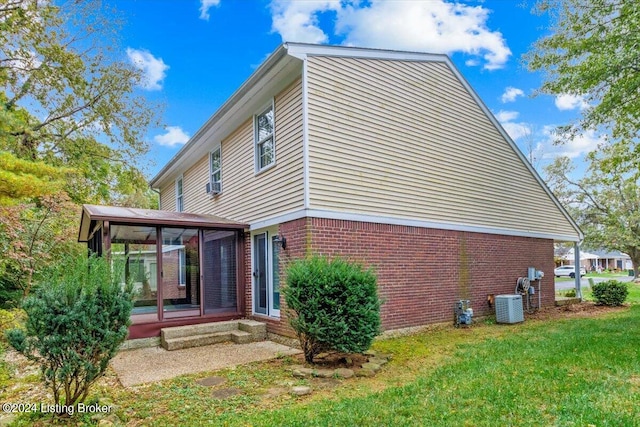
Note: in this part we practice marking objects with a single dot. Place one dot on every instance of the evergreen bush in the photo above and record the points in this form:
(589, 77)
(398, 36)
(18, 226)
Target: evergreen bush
(75, 323)
(333, 305)
(611, 292)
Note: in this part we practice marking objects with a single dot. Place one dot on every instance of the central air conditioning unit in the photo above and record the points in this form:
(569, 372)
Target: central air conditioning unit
(509, 309)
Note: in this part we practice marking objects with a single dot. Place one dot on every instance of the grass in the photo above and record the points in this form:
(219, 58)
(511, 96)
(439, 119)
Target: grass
(603, 275)
(563, 372)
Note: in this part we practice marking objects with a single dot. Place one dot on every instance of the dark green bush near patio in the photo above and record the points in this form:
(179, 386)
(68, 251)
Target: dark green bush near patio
(75, 323)
(333, 305)
(611, 292)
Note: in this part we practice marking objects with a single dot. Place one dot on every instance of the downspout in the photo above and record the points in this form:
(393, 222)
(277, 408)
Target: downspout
(576, 262)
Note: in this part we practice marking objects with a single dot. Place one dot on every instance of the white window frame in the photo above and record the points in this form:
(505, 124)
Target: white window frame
(258, 143)
(180, 195)
(269, 233)
(217, 149)
(182, 267)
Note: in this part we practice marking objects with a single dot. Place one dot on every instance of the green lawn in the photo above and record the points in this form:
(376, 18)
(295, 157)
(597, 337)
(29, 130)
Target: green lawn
(563, 372)
(572, 372)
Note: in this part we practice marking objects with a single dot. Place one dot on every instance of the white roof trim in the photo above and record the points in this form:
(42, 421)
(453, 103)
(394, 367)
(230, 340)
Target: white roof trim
(243, 90)
(328, 214)
(302, 50)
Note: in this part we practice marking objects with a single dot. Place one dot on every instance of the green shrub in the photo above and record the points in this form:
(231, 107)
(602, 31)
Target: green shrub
(611, 292)
(75, 323)
(333, 305)
(571, 293)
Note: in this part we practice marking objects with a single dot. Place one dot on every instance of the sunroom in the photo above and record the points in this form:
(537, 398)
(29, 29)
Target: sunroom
(185, 268)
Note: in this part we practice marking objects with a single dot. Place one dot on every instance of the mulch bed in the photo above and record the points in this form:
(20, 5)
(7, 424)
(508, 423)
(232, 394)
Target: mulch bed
(583, 309)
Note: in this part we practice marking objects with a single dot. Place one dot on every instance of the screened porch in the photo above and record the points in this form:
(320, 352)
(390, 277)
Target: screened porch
(185, 268)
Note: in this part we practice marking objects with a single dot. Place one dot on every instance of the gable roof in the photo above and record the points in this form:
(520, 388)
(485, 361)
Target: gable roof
(286, 63)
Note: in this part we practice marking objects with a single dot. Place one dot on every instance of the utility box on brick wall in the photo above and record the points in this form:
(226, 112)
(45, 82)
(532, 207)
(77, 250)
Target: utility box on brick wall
(509, 309)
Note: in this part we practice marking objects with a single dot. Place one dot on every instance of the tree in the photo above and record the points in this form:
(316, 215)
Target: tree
(68, 100)
(606, 201)
(32, 235)
(334, 305)
(75, 325)
(23, 179)
(592, 54)
(72, 128)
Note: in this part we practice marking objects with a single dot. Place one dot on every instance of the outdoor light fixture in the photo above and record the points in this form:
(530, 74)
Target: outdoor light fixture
(281, 240)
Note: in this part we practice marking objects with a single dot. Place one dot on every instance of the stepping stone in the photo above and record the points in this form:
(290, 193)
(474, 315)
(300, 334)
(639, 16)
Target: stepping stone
(371, 366)
(211, 381)
(303, 372)
(224, 393)
(301, 390)
(324, 373)
(344, 373)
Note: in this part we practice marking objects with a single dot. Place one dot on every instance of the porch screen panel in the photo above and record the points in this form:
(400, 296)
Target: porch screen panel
(135, 246)
(180, 271)
(219, 271)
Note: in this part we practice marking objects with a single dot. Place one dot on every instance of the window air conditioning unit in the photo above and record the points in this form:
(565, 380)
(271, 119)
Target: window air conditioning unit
(213, 188)
(509, 309)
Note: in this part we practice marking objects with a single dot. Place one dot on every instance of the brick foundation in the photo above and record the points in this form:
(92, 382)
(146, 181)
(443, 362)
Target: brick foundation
(421, 272)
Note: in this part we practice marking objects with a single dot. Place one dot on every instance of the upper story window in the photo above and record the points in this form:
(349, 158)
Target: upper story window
(265, 144)
(215, 171)
(179, 196)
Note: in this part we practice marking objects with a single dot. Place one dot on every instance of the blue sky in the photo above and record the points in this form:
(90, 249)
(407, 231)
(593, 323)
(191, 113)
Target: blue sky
(196, 53)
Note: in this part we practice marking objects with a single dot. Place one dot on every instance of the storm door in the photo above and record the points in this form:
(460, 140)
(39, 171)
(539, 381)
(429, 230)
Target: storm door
(266, 274)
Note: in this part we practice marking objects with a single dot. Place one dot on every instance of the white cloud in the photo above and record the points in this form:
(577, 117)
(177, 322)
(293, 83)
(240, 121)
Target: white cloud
(580, 145)
(570, 102)
(297, 21)
(154, 69)
(516, 130)
(205, 5)
(433, 26)
(174, 136)
(506, 116)
(510, 94)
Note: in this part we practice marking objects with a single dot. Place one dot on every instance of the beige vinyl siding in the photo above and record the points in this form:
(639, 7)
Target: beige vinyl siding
(168, 197)
(406, 140)
(245, 196)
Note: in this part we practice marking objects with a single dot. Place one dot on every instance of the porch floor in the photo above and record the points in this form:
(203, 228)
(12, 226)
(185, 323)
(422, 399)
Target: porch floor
(151, 364)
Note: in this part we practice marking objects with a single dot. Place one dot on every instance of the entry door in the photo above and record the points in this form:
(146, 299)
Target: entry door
(266, 274)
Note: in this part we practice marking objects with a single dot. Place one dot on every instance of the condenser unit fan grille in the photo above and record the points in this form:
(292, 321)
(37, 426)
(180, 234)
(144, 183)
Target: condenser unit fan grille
(509, 309)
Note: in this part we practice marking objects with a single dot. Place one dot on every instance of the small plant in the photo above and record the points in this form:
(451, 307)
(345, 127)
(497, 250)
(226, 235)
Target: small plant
(571, 293)
(334, 305)
(75, 323)
(611, 292)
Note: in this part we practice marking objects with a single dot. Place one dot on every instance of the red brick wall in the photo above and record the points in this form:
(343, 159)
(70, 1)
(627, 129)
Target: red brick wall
(422, 272)
(247, 275)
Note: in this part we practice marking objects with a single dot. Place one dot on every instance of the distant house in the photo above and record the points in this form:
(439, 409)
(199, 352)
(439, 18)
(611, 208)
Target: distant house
(384, 157)
(597, 260)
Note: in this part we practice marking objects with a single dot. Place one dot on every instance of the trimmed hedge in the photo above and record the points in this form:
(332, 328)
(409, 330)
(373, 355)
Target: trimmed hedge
(611, 292)
(333, 305)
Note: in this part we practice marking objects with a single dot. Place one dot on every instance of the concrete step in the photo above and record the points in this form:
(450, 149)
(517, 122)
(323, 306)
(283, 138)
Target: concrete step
(199, 329)
(195, 340)
(257, 329)
(237, 331)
